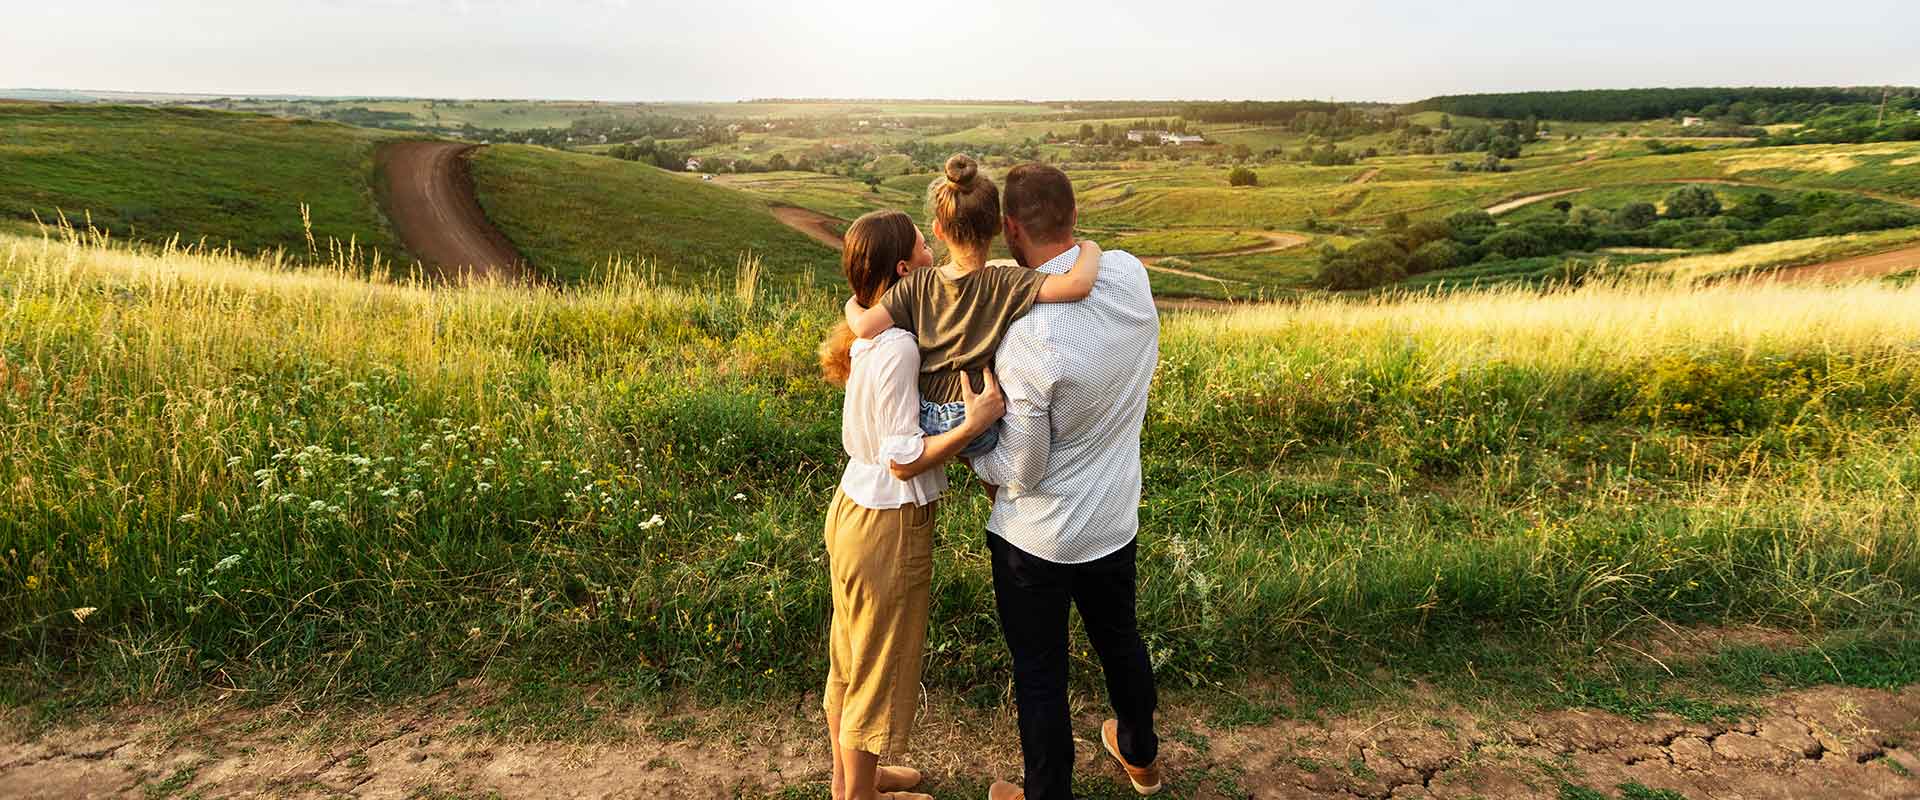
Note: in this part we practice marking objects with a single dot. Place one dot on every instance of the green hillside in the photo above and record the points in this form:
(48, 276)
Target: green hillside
(150, 173)
(569, 213)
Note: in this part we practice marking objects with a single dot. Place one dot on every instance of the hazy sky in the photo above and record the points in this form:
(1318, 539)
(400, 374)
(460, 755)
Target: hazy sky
(1034, 49)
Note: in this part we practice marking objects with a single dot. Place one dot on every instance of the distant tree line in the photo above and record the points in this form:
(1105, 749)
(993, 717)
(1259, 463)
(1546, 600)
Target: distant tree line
(1607, 105)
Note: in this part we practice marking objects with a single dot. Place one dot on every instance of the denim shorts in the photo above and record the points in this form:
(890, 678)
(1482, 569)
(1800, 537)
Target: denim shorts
(938, 418)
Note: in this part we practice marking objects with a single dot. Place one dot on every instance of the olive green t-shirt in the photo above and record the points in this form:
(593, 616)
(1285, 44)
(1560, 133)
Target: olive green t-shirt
(959, 321)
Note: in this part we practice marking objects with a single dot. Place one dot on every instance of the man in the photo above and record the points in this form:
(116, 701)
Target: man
(1062, 532)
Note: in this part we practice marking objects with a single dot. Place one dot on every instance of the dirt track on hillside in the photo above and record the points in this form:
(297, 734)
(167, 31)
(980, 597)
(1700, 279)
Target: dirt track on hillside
(817, 226)
(1857, 268)
(1823, 742)
(431, 202)
(1520, 202)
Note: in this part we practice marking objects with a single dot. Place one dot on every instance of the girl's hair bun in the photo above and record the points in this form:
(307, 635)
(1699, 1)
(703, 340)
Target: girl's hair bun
(961, 168)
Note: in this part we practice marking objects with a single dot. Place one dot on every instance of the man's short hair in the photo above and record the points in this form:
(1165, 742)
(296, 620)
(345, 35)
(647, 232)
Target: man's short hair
(1040, 198)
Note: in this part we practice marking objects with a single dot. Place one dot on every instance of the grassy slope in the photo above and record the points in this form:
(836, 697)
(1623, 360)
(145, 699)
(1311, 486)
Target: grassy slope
(832, 195)
(231, 178)
(295, 482)
(570, 213)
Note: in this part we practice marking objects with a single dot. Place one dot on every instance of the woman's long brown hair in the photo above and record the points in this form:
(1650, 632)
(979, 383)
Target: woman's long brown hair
(870, 256)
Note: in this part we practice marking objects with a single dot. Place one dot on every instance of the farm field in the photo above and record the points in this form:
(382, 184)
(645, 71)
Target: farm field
(1498, 499)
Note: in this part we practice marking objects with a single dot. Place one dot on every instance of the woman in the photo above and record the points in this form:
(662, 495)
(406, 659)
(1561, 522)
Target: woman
(879, 530)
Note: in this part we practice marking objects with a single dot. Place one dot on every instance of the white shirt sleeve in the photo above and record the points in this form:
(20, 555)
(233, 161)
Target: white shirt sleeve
(1025, 449)
(895, 417)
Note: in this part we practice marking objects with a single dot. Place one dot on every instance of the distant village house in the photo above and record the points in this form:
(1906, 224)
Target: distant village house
(1163, 137)
(693, 165)
(1692, 122)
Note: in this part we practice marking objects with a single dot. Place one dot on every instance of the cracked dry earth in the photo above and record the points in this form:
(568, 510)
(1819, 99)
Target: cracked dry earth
(1815, 743)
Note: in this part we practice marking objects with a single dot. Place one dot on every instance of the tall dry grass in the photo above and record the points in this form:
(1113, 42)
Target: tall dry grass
(318, 480)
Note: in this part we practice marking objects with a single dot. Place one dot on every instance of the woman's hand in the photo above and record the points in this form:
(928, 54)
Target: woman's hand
(984, 407)
(854, 310)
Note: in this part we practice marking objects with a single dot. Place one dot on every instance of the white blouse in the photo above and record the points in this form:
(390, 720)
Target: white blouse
(881, 423)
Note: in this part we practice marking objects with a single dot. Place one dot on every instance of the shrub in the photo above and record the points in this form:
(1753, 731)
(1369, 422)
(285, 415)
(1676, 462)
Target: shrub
(1241, 176)
(1438, 255)
(1366, 265)
(1470, 226)
(1693, 201)
(1634, 216)
(1668, 233)
(1427, 230)
(1588, 216)
(1515, 243)
(1559, 237)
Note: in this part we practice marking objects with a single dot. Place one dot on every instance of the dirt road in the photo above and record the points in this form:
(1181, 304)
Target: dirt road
(1822, 742)
(817, 226)
(430, 199)
(1521, 202)
(1857, 268)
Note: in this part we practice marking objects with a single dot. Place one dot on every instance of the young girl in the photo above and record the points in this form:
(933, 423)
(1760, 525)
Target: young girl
(959, 312)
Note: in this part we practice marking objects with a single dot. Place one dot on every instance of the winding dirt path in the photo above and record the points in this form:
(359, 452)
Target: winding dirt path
(1856, 268)
(431, 201)
(1276, 241)
(817, 226)
(1365, 177)
(1521, 202)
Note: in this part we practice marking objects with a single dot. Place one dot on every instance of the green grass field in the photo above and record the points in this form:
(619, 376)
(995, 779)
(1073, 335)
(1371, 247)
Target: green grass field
(571, 214)
(296, 483)
(231, 178)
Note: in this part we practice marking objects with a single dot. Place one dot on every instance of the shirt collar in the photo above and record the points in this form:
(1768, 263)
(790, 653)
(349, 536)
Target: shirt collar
(1060, 264)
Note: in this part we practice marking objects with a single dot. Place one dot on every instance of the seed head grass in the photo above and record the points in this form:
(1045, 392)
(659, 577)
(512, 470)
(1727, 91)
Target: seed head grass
(316, 480)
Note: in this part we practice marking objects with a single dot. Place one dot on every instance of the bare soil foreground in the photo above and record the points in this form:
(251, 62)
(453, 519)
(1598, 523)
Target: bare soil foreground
(1825, 743)
(817, 226)
(430, 199)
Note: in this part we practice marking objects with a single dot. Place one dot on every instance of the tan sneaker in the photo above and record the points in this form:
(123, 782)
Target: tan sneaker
(1146, 780)
(1002, 790)
(896, 779)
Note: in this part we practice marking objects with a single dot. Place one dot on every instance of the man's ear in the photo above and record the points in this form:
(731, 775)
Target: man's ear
(903, 268)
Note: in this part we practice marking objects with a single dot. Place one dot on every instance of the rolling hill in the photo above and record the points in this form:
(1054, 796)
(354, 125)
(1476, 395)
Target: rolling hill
(569, 213)
(236, 179)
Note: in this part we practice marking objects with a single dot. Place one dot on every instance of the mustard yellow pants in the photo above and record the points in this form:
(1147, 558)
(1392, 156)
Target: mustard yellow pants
(881, 567)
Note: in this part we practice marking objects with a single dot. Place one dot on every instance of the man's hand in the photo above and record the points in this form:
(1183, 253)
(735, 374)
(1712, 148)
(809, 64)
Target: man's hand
(984, 407)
